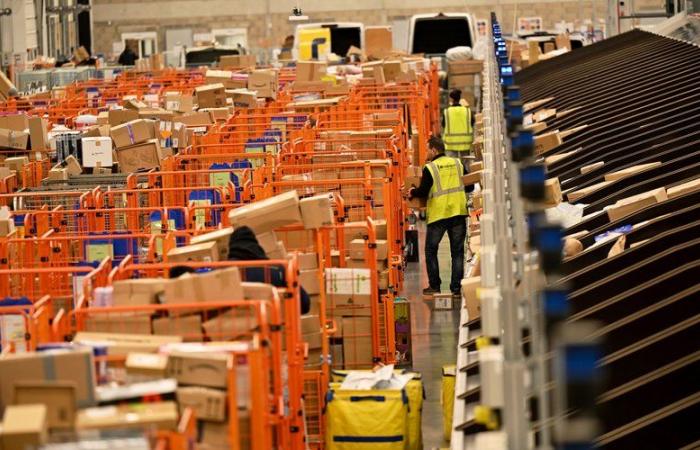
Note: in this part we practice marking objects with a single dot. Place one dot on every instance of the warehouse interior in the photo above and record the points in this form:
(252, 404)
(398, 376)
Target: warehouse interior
(307, 225)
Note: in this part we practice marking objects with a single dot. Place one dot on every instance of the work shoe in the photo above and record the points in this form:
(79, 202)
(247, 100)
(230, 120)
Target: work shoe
(429, 292)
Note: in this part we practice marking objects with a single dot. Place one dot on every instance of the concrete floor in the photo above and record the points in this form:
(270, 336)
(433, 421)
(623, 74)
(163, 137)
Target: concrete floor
(434, 339)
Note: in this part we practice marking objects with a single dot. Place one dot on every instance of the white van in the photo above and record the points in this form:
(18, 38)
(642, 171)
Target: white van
(343, 35)
(434, 34)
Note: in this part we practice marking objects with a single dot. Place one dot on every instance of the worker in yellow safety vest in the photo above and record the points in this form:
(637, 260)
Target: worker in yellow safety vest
(441, 183)
(457, 125)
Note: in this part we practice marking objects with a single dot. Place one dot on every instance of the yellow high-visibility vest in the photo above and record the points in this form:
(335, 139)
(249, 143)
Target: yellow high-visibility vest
(446, 198)
(458, 129)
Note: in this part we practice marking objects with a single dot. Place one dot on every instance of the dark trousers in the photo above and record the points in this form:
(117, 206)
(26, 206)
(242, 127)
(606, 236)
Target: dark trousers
(456, 228)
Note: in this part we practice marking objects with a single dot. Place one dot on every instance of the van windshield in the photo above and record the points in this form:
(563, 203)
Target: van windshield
(344, 37)
(435, 35)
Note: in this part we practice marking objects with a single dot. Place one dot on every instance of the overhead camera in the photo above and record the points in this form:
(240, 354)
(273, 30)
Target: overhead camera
(297, 15)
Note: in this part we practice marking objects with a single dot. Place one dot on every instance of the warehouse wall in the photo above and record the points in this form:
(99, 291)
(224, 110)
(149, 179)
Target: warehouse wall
(113, 17)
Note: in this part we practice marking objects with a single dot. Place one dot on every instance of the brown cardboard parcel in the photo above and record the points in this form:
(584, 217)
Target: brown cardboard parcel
(546, 142)
(133, 132)
(309, 281)
(207, 404)
(220, 237)
(16, 140)
(357, 342)
(630, 205)
(24, 426)
(358, 249)
(264, 82)
(189, 327)
(162, 415)
(317, 211)
(140, 156)
(268, 214)
(57, 396)
(215, 286)
(205, 252)
(139, 291)
(76, 367)
(211, 96)
(200, 369)
(149, 364)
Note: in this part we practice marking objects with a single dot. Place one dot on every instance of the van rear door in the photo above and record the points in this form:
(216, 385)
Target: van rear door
(436, 34)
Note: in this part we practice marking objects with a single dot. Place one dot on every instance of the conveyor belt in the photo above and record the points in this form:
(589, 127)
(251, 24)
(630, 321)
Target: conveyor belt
(639, 95)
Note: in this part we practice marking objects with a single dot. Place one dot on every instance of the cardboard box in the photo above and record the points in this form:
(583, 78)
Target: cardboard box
(460, 81)
(264, 82)
(128, 323)
(14, 122)
(280, 252)
(470, 67)
(200, 369)
(224, 77)
(310, 323)
(378, 41)
(234, 324)
(178, 102)
(268, 241)
(72, 166)
(310, 71)
(211, 96)
(618, 247)
(635, 203)
(357, 249)
(309, 281)
(349, 288)
(313, 340)
(543, 114)
(133, 132)
(24, 426)
(536, 127)
(58, 173)
(148, 364)
(612, 176)
(258, 291)
(357, 342)
(161, 415)
(16, 140)
(215, 434)
(139, 291)
(143, 156)
(243, 98)
(97, 151)
(219, 114)
(76, 367)
(205, 251)
(307, 261)
(317, 211)
(196, 119)
(116, 117)
(207, 404)
(591, 167)
(472, 178)
(189, 327)
(470, 288)
(215, 286)
(220, 237)
(120, 344)
(38, 129)
(576, 195)
(393, 69)
(266, 215)
(546, 142)
(682, 189)
(374, 70)
(58, 397)
(237, 61)
(552, 192)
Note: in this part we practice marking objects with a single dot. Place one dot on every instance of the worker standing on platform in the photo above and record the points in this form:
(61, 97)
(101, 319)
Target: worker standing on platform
(457, 125)
(441, 183)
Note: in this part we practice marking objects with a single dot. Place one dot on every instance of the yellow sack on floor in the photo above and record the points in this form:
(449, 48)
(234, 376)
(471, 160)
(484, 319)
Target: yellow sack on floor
(449, 373)
(372, 420)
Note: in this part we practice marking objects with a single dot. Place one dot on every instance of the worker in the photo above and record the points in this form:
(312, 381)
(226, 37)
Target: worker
(128, 57)
(441, 184)
(457, 125)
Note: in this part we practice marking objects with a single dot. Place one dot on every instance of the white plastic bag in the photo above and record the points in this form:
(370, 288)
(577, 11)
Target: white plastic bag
(459, 54)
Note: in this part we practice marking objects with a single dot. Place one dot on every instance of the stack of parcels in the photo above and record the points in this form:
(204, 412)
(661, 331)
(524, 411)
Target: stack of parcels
(349, 297)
